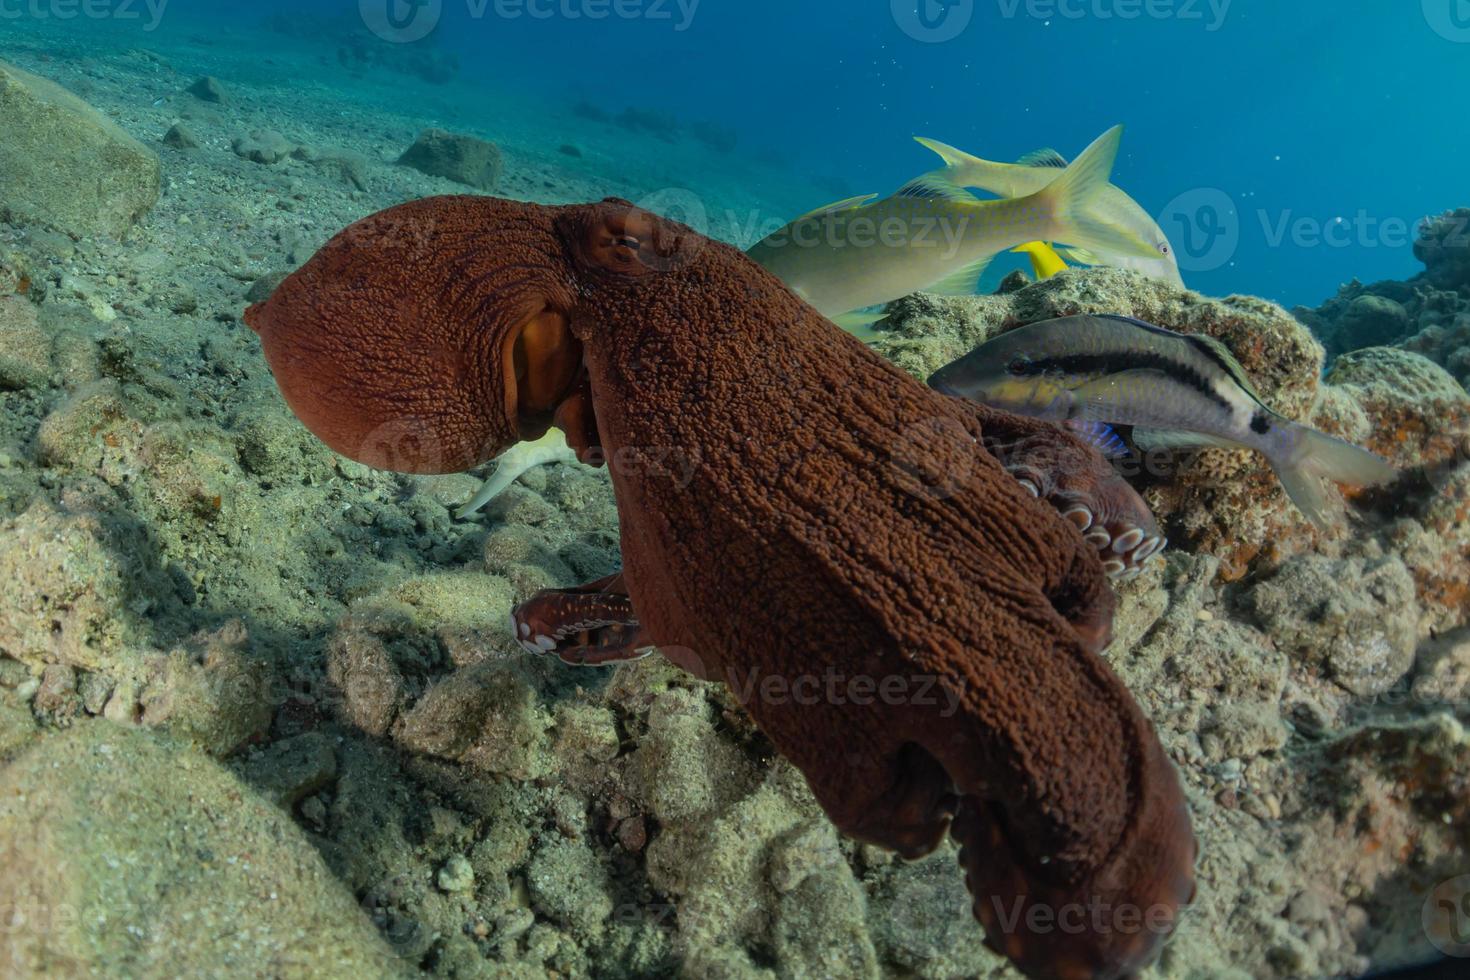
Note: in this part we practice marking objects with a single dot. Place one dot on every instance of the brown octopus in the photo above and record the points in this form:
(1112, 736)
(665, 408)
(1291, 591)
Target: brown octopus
(909, 625)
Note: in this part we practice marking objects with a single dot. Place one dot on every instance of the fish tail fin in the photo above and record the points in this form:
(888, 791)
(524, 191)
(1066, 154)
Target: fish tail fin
(1066, 203)
(951, 156)
(1318, 456)
(963, 168)
(514, 463)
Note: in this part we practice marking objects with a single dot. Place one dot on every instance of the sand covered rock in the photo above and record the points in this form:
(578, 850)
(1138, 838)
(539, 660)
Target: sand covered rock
(61, 587)
(66, 164)
(181, 137)
(463, 159)
(25, 350)
(128, 854)
(209, 89)
(263, 146)
(1359, 619)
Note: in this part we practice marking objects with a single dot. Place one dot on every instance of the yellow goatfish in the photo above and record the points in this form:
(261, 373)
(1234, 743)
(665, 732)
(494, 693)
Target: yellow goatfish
(934, 236)
(1112, 206)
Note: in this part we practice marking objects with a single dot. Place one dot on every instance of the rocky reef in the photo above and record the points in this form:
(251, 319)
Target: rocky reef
(261, 711)
(1428, 314)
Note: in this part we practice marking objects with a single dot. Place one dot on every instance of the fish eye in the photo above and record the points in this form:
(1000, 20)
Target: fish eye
(1019, 366)
(1163, 248)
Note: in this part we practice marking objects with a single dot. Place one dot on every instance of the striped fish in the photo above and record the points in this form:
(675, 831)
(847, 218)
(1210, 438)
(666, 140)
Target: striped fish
(1176, 390)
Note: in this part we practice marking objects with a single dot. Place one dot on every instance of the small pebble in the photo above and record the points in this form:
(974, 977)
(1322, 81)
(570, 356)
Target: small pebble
(457, 875)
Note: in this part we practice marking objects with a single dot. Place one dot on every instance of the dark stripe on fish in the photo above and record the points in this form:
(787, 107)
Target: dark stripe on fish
(1138, 360)
(1260, 423)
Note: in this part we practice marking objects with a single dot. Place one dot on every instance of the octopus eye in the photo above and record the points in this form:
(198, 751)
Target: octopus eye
(628, 241)
(1019, 366)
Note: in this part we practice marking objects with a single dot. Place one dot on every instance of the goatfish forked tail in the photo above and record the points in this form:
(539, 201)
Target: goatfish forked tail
(1112, 206)
(1176, 390)
(935, 237)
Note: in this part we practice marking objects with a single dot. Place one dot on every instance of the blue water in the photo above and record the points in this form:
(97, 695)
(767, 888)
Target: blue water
(1330, 127)
(1284, 147)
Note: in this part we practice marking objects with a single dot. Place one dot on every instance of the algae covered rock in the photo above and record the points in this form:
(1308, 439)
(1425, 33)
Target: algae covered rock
(127, 854)
(462, 159)
(1359, 619)
(67, 165)
(1443, 246)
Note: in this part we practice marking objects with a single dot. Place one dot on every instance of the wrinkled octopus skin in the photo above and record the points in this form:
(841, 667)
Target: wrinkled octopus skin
(910, 625)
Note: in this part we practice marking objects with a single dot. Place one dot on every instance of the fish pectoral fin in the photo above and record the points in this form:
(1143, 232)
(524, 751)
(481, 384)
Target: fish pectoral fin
(961, 282)
(846, 204)
(1100, 436)
(1081, 256)
(1046, 157)
(1151, 439)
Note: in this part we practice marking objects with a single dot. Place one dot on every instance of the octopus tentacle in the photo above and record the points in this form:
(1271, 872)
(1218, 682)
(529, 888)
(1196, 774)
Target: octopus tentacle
(592, 626)
(1053, 463)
